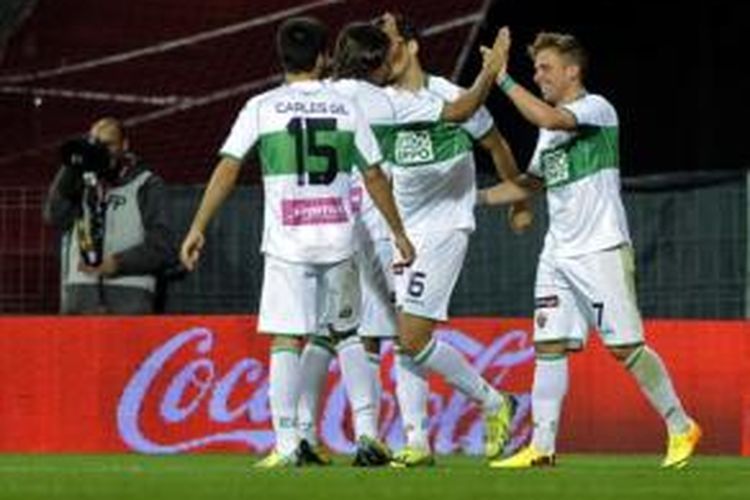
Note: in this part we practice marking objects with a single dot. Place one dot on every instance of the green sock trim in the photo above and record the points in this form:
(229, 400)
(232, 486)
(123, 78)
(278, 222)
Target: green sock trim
(550, 356)
(323, 343)
(280, 350)
(426, 352)
(633, 358)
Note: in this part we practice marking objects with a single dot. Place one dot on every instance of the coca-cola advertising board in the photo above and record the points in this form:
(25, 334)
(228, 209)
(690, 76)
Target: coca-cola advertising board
(178, 384)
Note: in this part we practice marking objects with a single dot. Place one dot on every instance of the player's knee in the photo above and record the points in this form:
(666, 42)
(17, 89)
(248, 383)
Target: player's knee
(554, 347)
(625, 352)
(372, 345)
(286, 342)
(412, 344)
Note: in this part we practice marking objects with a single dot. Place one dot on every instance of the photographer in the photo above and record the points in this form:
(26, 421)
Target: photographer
(116, 239)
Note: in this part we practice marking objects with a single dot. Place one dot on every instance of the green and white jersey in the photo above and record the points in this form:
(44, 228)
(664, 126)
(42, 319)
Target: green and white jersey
(580, 169)
(380, 112)
(433, 163)
(308, 137)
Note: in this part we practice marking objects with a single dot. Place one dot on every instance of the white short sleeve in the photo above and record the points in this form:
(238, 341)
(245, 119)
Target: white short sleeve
(368, 151)
(411, 107)
(535, 165)
(481, 121)
(244, 133)
(479, 124)
(593, 110)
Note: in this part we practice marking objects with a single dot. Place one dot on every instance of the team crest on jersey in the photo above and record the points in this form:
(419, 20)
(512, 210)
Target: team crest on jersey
(555, 166)
(413, 147)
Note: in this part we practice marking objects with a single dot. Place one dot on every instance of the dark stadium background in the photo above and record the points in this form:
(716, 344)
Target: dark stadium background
(677, 74)
(675, 71)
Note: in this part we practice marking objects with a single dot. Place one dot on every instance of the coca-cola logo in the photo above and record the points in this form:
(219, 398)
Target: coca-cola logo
(237, 400)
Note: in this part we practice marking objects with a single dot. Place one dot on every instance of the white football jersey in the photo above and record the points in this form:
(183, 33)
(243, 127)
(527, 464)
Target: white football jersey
(309, 137)
(379, 111)
(433, 163)
(580, 169)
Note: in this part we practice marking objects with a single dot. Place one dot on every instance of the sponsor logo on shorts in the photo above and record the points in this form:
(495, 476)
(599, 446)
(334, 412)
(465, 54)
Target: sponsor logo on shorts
(313, 211)
(346, 312)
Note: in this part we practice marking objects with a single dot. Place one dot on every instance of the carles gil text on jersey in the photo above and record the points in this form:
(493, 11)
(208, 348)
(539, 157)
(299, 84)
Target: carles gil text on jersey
(312, 107)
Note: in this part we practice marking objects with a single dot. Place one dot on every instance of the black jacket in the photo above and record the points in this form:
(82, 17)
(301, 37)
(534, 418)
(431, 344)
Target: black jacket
(157, 252)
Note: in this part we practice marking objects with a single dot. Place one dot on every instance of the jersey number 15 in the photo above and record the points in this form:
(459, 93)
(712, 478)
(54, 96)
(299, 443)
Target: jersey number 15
(305, 133)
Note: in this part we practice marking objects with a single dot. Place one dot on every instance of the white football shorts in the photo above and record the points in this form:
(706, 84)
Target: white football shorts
(302, 299)
(595, 290)
(424, 289)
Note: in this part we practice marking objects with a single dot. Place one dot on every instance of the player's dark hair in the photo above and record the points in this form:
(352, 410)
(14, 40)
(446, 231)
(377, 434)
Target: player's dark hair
(360, 49)
(299, 42)
(566, 45)
(405, 26)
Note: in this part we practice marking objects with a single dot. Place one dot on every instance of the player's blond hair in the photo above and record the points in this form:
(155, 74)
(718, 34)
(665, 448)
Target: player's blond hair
(565, 44)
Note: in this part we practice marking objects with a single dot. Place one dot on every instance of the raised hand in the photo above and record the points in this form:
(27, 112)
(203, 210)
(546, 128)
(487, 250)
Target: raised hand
(495, 59)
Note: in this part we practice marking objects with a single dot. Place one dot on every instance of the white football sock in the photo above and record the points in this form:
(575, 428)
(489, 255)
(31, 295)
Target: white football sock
(314, 362)
(412, 392)
(283, 393)
(358, 380)
(649, 371)
(547, 395)
(377, 386)
(443, 358)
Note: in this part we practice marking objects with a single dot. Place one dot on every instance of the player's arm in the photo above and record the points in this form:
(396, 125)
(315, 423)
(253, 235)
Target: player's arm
(469, 102)
(502, 157)
(222, 183)
(532, 108)
(368, 157)
(517, 190)
(379, 188)
(241, 140)
(535, 110)
(520, 215)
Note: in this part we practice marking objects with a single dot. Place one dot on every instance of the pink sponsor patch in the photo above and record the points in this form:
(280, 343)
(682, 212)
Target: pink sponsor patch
(312, 211)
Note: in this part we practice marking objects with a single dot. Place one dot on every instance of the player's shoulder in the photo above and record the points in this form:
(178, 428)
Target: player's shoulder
(411, 106)
(443, 88)
(598, 101)
(345, 86)
(374, 102)
(256, 101)
(340, 93)
(596, 108)
(356, 89)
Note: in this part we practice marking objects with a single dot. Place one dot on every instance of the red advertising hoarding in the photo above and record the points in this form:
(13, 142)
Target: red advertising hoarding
(179, 384)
